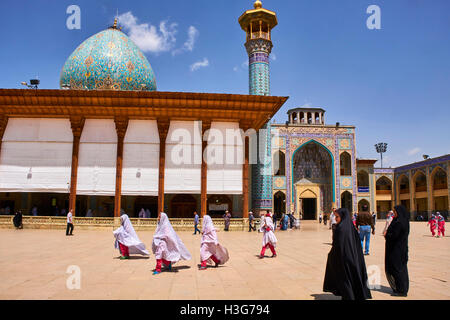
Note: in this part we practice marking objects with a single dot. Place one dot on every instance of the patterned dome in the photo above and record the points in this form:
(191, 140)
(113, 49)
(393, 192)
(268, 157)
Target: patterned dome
(108, 60)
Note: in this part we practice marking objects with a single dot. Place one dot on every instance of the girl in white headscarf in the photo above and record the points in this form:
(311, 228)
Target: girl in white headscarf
(127, 241)
(210, 247)
(167, 246)
(269, 239)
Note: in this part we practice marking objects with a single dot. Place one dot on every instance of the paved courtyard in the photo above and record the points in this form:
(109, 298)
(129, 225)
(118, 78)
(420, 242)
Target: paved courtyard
(33, 265)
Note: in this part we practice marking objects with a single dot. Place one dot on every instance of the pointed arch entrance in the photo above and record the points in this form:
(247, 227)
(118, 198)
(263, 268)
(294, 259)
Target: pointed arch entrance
(312, 166)
(279, 201)
(346, 201)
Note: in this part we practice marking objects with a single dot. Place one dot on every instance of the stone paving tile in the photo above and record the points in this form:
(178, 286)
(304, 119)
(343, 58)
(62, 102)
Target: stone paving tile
(34, 266)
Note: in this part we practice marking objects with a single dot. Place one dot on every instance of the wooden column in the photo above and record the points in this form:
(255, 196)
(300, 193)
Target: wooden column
(204, 175)
(245, 173)
(163, 129)
(121, 129)
(3, 124)
(77, 124)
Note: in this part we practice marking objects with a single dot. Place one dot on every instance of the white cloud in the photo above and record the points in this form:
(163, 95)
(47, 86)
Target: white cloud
(413, 151)
(147, 37)
(273, 56)
(193, 34)
(199, 64)
(235, 69)
(244, 64)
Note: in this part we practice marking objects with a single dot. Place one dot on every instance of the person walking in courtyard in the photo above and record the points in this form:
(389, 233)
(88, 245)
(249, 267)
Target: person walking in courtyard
(389, 218)
(346, 273)
(196, 220)
(269, 239)
(167, 246)
(433, 224)
(251, 218)
(396, 253)
(127, 241)
(325, 219)
(440, 224)
(17, 220)
(320, 217)
(333, 219)
(210, 249)
(284, 222)
(227, 219)
(364, 223)
(69, 228)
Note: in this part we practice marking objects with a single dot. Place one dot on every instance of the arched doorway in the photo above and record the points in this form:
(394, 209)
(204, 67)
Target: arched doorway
(345, 161)
(183, 206)
(313, 170)
(308, 201)
(346, 201)
(363, 181)
(384, 192)
(279, 202)
(218, 204)
(440, 191)
(363, 203)
(278, 164)
(420, 194)
(404, 191)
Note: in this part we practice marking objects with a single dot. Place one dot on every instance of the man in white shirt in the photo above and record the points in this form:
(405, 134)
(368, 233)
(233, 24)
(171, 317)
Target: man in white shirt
(69, 224)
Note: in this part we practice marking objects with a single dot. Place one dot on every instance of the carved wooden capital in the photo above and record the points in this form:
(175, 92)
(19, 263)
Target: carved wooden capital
(163, 128)
(77, 124)
(121, 126)
(206, 125)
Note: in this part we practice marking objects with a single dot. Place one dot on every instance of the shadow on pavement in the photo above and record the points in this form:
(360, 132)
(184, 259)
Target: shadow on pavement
(325, 296)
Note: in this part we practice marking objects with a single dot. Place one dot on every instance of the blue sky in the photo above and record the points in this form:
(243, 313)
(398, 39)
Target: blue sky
(393, 84)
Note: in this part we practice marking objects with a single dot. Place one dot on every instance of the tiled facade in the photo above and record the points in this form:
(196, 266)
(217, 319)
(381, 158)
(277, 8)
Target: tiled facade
(331, 142)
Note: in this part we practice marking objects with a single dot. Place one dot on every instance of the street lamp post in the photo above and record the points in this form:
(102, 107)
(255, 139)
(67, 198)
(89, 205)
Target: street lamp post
(381, 148)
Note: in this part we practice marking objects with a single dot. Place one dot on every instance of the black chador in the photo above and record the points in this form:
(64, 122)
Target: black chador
(346, 273)
(396, 258)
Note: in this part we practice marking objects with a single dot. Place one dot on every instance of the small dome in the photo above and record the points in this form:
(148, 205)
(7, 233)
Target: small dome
(108, 60)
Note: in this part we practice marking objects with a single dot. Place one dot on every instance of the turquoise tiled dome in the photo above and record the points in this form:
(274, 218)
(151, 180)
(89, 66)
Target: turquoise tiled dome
(108, 60)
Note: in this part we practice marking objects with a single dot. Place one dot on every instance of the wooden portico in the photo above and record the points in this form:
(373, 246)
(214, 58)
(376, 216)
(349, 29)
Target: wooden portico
(250, 111)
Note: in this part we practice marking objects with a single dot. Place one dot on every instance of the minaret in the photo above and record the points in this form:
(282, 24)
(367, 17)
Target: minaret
(258, 24)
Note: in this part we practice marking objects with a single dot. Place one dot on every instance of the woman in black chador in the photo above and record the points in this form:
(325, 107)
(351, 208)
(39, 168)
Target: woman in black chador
(346, 273)
(396, 258)
(17, 220)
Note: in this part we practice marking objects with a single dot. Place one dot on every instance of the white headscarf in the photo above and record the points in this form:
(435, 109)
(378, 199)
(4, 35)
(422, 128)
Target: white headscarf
(209, 231)
(210, 243)
(166, 243)
(261, 223)
(126, 235)
(269, 236)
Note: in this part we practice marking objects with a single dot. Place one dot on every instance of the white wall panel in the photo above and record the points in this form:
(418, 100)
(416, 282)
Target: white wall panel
(141, 158)
(97, 158)
(36, 155)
